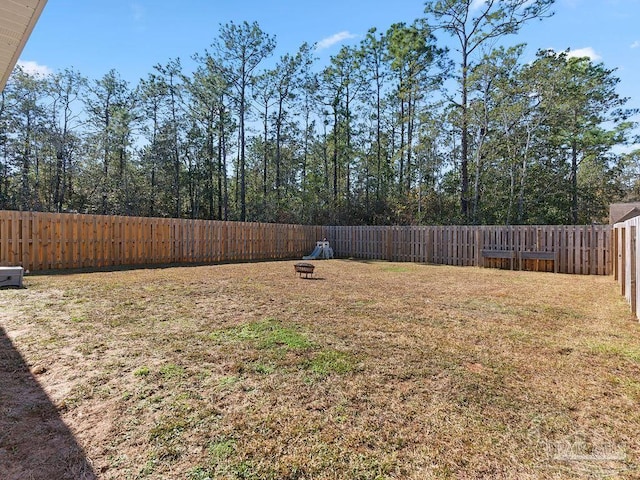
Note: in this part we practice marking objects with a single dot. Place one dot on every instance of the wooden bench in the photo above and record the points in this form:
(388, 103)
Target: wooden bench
(502, 254)
(539, 255)
(306, 268)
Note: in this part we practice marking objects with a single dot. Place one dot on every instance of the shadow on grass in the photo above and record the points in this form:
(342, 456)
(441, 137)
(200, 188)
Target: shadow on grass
(150, 266)
(34, 441)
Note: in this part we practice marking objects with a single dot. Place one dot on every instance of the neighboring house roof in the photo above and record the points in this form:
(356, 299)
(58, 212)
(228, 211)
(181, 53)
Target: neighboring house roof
(632, 214)
(17, 19)
(620, 212)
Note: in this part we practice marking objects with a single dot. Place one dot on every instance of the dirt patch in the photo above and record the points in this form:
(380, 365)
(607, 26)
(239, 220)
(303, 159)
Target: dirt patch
(371, 370)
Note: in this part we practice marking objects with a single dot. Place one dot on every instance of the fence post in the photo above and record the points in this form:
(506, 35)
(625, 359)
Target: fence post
(479, 246)
(633, 290)
(623, 263)
(614, 246)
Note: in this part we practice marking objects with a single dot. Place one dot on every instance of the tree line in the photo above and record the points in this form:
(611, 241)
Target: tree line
(394, 130)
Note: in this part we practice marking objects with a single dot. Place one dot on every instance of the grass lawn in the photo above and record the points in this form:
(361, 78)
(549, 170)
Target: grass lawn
(371, 370)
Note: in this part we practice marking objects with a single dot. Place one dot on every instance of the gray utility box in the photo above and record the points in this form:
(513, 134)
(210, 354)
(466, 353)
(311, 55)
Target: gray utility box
(11, 276)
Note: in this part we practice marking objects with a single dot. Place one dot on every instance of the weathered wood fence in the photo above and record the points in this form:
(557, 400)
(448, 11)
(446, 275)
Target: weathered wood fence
(48, 241)
(626, 265)
(576, 249)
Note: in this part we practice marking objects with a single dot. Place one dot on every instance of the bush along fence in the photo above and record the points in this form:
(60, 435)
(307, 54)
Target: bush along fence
(626, 265)
(49, 241)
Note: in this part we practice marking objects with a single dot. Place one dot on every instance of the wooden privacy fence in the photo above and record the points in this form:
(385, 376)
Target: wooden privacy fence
(626, 265)
(565, 249)
(47, 241)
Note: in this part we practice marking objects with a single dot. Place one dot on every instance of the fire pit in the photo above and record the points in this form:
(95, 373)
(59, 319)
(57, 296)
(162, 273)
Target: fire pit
(306, 268)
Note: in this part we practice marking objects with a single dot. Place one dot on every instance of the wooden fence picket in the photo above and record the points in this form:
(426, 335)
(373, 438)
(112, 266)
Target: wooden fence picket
(625, 257)
(577, 249)
(44, 241)
(51, 241)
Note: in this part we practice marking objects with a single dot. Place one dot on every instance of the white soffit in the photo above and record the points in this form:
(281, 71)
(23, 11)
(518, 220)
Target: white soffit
(17, 19)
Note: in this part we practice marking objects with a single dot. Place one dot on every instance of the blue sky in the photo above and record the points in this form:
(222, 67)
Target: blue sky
(133, 35)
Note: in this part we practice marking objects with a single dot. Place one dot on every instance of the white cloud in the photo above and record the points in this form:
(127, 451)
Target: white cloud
(333, 39)
(635, 44)
(34, 68)
(584, 52)
(476, 4)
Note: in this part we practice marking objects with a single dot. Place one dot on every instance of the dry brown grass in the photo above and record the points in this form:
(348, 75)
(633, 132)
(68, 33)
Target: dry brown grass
(371, 370)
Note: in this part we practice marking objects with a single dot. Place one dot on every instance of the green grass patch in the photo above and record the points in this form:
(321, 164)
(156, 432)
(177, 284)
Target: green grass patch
(267, 334)
(167, 430)
(630, 387)
(166, 437)
(200, 473)
(228, 381)
(332, 361)
(263, 368)
(221, 449)
(627, 352)
(141, 371)
(171, 371)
